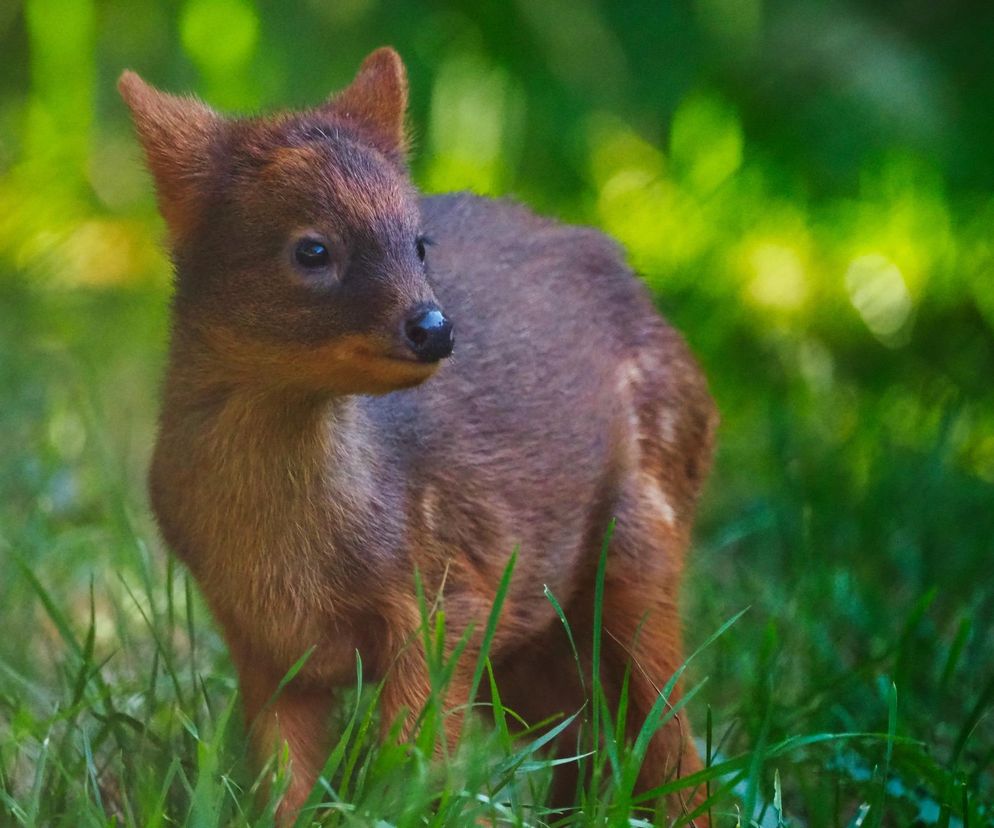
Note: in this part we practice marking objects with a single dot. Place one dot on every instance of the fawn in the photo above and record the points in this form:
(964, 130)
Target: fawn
(321, 434)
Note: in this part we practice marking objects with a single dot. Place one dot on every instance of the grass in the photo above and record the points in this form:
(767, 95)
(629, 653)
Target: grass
(840, 597)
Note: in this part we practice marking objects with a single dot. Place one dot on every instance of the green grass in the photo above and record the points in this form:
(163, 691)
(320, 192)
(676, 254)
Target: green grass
(840, 596)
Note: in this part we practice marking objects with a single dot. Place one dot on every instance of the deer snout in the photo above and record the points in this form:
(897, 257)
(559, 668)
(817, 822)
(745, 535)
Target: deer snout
(428, 333)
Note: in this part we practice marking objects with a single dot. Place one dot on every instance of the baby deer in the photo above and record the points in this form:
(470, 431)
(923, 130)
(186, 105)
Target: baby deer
(323, 432)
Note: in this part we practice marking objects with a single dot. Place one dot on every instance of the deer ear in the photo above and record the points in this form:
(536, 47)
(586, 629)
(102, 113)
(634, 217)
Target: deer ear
(376, 101)
(176, 134)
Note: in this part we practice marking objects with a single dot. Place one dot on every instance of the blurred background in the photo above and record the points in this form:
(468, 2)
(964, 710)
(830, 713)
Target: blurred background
(807, 187)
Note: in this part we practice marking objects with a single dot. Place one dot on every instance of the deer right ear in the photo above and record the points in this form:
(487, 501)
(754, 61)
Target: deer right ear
(376, 101)
(176, 134)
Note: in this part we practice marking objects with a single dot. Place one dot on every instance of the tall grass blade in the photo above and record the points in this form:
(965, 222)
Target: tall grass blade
(491, 628)
(597, 690)
(878, 811)
(569, 635)
(984, 701)
(208, 796)
(859, 816)
(290, 675)
(160, 646)
(955, 652)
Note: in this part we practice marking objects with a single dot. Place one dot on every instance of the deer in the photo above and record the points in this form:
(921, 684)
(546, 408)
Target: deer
(364, 383)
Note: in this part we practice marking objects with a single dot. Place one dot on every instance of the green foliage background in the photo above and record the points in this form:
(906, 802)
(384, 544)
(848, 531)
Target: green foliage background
(807, 187)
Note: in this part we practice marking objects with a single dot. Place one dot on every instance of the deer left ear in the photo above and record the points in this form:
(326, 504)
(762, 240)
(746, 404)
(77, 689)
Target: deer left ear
(177, 134)
(376, 102)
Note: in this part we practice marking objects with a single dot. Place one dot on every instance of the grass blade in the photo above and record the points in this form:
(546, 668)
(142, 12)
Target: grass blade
(491, 628)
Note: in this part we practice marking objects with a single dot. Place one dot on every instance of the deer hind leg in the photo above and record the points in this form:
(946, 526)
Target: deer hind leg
(665, 443)
(647, 644)
(641, 633)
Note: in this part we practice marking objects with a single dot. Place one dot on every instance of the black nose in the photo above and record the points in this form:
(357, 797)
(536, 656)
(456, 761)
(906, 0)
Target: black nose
(429, 333)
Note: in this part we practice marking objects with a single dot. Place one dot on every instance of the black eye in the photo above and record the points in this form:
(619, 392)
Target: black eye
(420, 243)
(311, 254)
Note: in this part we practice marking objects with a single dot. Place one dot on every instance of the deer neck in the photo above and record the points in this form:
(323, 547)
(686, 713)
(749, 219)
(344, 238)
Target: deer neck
(257, 474)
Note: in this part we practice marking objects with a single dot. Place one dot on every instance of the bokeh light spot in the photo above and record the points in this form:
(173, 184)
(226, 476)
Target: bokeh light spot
(219, 34)
(614, 146)
(778, 277)
(98, 252)
(705, 142)
(879, 293)
(473, 112)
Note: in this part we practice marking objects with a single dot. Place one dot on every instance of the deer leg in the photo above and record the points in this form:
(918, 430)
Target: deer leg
(407, 690)
(296, 717)
(641, 632)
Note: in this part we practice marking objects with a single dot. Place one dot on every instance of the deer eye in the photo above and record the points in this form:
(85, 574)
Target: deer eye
(311, 254)
(420, 243)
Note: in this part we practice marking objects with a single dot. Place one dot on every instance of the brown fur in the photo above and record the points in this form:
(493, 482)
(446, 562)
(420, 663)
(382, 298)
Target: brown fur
(302, 505)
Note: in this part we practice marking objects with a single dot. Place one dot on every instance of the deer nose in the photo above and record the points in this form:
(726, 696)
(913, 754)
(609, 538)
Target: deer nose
(429, 333)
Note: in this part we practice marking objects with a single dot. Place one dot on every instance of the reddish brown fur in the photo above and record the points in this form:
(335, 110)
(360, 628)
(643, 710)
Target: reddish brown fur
(302, 506)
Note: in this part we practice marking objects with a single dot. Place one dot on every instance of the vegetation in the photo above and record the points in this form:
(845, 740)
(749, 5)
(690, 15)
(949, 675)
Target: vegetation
(808, 191)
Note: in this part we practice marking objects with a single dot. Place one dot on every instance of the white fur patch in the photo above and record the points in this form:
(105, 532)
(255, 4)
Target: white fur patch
(656, 498)
(429, 509)
(667, 424)
(629, 377)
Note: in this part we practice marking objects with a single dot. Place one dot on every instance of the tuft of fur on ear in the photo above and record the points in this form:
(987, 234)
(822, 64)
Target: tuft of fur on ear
(176, 133)
(376, 102)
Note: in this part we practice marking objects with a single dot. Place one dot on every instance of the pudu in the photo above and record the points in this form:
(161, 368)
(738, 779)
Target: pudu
(364, 381)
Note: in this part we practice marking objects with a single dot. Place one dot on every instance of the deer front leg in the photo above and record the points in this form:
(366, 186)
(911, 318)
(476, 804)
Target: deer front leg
(296, 717)
(407, 690)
